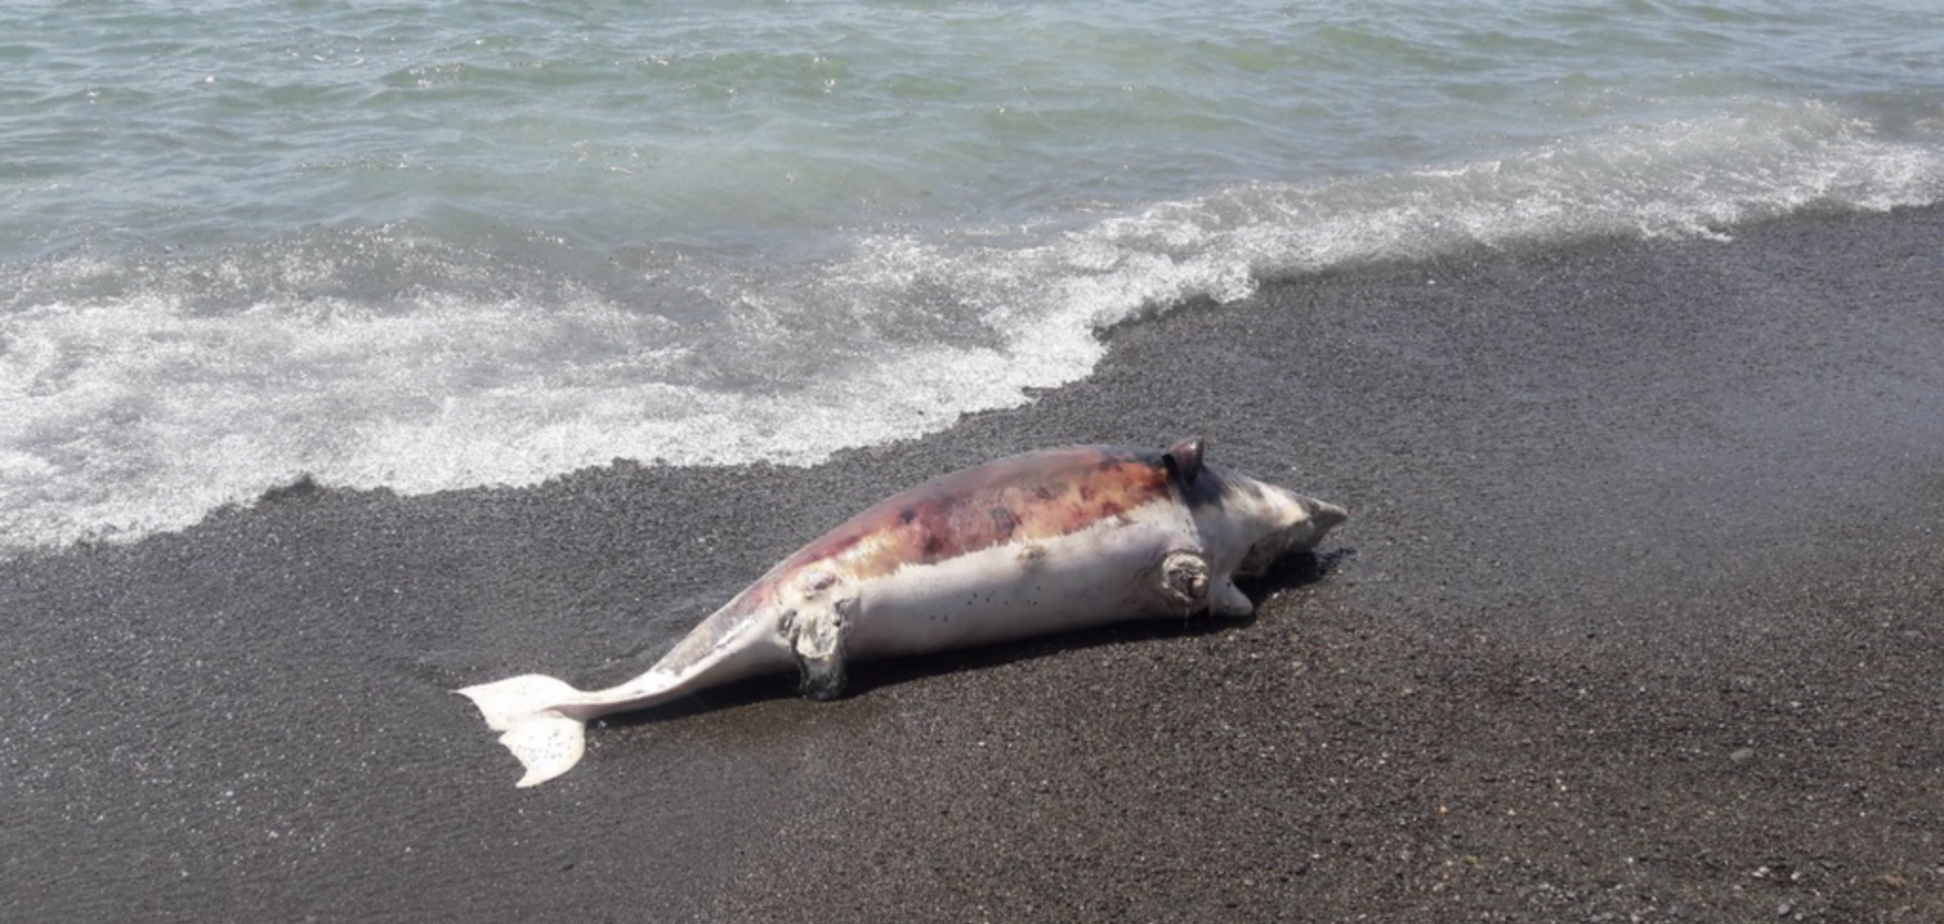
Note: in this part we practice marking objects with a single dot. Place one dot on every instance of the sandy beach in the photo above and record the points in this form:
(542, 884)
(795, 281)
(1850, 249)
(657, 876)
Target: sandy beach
(1637, 618)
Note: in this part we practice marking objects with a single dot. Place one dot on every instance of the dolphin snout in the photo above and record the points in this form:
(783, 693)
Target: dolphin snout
(1325, 515)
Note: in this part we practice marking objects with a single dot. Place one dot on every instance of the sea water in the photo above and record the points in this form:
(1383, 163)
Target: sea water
(434, 245)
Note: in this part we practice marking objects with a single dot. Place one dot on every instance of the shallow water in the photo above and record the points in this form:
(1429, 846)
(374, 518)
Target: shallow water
(439, 245)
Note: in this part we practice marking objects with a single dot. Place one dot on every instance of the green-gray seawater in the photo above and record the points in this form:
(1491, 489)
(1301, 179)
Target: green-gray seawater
(436, 245)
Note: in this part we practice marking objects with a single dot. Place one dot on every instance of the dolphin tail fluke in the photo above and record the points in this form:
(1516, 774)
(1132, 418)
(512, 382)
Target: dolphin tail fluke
(530, 712)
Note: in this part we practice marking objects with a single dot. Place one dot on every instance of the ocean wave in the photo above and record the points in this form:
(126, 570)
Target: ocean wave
(141, 392)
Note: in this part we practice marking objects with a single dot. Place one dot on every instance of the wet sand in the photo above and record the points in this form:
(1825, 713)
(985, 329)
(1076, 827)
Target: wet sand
(1638, 617)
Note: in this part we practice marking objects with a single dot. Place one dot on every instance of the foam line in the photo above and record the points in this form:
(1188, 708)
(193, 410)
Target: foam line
(131, 405)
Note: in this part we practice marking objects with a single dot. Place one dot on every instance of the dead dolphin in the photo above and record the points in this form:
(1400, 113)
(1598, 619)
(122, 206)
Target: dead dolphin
(1029, 545)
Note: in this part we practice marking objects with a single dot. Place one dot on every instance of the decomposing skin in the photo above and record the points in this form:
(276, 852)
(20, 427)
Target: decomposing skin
(1028, 545)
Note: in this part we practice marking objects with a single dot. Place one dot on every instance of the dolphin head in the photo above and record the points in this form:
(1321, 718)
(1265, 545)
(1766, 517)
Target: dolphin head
(1292, 522)
(1247, 525)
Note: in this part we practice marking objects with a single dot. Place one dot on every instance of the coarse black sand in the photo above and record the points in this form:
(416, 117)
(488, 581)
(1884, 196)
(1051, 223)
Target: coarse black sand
(1639, 617)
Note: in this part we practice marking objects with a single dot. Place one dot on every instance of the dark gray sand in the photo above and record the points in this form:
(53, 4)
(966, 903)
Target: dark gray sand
(1640, 617)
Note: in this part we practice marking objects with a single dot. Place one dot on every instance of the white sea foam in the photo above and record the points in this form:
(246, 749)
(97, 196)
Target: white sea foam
(132, 405)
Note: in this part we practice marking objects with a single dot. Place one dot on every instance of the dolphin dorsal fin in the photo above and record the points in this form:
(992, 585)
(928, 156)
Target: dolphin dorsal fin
(1184, 459)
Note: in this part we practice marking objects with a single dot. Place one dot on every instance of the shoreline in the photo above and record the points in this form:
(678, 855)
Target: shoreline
(1635, 615)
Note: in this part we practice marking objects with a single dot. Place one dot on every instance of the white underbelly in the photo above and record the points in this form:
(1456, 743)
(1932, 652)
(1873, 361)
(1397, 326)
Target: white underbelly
(1107, 573)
